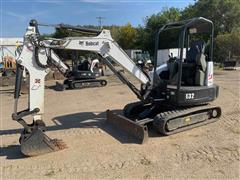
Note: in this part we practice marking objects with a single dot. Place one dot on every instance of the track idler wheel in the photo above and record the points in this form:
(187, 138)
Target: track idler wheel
(37, 143)
(103, 82)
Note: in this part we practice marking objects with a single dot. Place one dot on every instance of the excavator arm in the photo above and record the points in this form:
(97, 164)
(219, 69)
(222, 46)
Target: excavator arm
(37, 56)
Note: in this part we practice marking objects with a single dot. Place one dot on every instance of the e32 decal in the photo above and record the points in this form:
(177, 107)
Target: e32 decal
(189, 96)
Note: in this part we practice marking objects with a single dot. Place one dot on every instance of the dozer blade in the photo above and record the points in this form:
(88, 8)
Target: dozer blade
(38, 143)
(133, 128)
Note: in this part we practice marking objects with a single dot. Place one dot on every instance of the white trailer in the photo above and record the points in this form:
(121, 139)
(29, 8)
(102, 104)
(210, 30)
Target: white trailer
(163, 55)
(132, 53)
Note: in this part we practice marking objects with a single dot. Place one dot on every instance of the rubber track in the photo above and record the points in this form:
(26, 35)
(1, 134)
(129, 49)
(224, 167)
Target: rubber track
(161, 119)
(93, 81)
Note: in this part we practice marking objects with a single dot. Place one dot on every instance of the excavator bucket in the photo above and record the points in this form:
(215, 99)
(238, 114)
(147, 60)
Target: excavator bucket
(38, 143)
(139, 131)
(59, 87)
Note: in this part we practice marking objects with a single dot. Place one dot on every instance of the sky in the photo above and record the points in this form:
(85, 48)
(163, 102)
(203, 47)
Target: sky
(16, 14)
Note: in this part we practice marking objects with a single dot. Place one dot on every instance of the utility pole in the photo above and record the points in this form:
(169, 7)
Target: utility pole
(100, 20)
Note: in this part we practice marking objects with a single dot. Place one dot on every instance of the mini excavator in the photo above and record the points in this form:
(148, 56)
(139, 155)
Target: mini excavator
(173, 97)
(84, 74)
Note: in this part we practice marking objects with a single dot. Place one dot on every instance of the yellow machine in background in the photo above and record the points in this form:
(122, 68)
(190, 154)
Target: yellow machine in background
(9, 62)
(9, 66)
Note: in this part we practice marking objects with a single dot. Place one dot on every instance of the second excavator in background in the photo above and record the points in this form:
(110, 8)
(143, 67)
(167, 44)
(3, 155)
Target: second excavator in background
(84, 73)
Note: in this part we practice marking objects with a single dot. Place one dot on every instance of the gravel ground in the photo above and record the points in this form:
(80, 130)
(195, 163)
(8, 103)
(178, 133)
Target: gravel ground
(98, 151)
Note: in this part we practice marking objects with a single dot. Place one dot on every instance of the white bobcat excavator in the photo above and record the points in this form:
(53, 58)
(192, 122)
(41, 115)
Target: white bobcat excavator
(173, 97)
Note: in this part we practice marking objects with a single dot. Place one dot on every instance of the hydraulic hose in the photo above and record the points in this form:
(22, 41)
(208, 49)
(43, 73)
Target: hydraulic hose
(18, 81)
(36, 51)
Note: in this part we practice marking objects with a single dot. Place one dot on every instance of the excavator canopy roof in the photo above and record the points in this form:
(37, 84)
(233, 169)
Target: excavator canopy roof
(195, 25)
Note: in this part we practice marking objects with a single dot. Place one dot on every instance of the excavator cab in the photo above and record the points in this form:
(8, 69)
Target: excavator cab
(189, 79)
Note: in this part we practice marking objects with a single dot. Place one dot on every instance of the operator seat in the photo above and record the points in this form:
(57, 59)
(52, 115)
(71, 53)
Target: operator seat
(195, 55)
(84, 66)
(201, 68)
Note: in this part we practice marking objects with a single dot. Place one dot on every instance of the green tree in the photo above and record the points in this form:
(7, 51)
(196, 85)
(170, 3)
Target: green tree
(225, 44)
(127, 36)
(115, 32)
(154, 23)
(141, 38)
(224, 13)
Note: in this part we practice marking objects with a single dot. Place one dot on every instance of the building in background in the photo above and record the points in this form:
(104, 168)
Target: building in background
(8, 47)
(7, 52)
